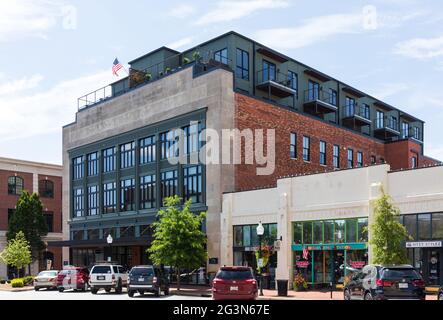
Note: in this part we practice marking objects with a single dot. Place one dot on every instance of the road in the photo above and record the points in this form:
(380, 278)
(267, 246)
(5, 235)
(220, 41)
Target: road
(71, 295)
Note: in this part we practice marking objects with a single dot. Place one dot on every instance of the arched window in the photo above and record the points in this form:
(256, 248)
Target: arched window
(15, 185)
(46, 188)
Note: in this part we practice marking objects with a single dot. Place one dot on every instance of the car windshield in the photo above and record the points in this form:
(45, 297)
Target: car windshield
(147, 272)
(101, 269)
(235, 274)
(401, 274)
(47, 274)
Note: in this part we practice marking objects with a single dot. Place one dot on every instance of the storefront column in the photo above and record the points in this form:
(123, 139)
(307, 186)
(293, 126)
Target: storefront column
(374, 194)
(226, 232)
(284, 256)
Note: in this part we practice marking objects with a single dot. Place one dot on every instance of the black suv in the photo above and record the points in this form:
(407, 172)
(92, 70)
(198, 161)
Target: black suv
(376, 282)
(148, 279)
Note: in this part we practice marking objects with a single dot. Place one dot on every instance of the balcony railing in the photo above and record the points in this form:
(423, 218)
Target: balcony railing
(354, 110)
(386, 123)
(313, 95)
(276, 83)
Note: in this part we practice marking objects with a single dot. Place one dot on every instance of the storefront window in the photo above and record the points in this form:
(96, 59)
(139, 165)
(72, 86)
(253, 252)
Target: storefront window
(318, 232)
(298, 232)
(273, 231)
(362, 234)
(238, 236)
(247, 236)
(410, 222)
(329, 231)
(339, 231)
(254, 236)
(318, 266)
(351, 230)
(437, 226)
(307, 232)
(424, 226)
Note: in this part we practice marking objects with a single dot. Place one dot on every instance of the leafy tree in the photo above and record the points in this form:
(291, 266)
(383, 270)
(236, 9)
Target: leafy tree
(178, 239)
(28, 218)
(17, 253)
(387, 233)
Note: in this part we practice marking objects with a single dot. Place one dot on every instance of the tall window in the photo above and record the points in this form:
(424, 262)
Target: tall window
(46, 188)
(350, 158)
(293, 80)
(380, 119)
(169, 144)
(359, 159)
(405, 130)
(313, 90)
(417, 133)
(393, 123)
(414, 162)
(169, 184)
(127, 195)
(306, 148)
(109, 197)
(109, 159)
(350, 107)
(93, 202)
(192, 184)
(49, 220)
(242, 64)
(93, 164)
(221, 56)
(322, 153)
(147, 192)
(191, 141)
(15, 185)
(333, 97)
(365, 110)
(269, 71)
(79, 208)
(293, 146)
(127, 155)
(78, 168)
(336, 156)
(147, 150)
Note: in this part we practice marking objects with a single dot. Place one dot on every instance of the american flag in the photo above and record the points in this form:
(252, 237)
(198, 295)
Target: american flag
(116, 66)
(305, 253)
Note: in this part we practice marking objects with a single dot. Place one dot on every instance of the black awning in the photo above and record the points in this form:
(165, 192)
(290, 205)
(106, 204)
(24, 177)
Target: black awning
(139, 241)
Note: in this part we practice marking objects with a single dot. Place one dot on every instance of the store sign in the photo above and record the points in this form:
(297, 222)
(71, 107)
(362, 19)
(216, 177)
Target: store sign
(357, 264)
(425, 244)
(302, 264)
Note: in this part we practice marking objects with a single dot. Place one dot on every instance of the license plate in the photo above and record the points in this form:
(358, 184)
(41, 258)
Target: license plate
(234, 288)
(403, 285)
(101, 278)
(141, 279)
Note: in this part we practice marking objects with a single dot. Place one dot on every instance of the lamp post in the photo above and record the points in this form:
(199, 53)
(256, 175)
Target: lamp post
(109, 240)
(260, 232)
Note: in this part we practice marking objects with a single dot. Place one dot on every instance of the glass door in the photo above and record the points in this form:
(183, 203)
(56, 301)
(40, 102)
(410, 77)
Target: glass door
(433, 266)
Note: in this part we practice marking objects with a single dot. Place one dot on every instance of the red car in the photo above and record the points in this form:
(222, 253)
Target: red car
(73, 278)
(234, 283)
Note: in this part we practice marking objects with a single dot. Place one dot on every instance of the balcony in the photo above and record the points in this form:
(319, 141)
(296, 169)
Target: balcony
(386, 128)
(355, 116)
(275, 84)
(319, 102)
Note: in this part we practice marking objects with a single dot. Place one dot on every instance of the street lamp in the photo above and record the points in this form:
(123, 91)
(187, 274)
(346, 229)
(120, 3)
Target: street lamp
(109, 240)
(260, 233)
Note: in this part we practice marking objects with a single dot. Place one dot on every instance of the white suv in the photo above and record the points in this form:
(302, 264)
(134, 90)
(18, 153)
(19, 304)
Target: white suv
(108, 276)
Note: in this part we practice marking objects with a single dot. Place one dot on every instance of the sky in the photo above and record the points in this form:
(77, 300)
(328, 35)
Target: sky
(54, 51)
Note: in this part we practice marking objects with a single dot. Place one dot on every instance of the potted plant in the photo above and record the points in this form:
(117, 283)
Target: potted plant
(148, 77)
(167, 70)
(186, 60)
(196, 56)
(300, 283)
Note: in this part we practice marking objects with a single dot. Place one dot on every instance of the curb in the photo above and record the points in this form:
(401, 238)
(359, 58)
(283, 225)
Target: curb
(190, 294)
(17, 289)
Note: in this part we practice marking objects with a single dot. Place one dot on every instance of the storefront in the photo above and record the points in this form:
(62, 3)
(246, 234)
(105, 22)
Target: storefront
(425, 250)
(327, 251)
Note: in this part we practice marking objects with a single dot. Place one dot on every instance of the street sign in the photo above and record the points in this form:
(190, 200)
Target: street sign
(260, 263)
(277, 245)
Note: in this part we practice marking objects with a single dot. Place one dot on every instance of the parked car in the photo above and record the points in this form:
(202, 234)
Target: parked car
(73, 278)
(234, 283)
(46, 280)
(151, 279)
(440, 294)
(108, 277)
(377, 282)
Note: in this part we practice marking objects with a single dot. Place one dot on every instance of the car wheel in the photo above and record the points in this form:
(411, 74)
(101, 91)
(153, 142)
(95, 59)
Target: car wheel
(368, 296)
(141, 292)
(130, 293)
(94, 291)
(36, 289)
(61, 289)
(440, 296)
(158, 292)
(85, 287)
(119, 288)
(166, 291)
(347, 295)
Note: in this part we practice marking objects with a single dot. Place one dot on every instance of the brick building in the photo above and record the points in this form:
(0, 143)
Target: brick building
(44, 179)
(116, 163)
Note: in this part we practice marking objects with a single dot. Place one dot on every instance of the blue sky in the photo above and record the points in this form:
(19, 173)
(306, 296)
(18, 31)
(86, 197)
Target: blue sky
(53, 51)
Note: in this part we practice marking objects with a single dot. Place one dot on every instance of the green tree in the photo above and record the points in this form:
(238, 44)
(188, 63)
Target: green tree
(178, 239)
(387, 233)
(17, 253)
(28, 218)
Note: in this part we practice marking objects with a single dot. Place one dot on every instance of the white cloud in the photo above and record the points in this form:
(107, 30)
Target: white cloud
(180, 43)
(228, 10)
(20, 85)
(435, 151)
(390, 89)
(46, 111)
(20, 18)
(181, 11)
(420, 48)
(311, 31)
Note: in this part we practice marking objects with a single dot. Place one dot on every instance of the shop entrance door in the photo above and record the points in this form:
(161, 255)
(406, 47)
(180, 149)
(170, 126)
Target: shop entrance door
(334, 266)
(431, 267)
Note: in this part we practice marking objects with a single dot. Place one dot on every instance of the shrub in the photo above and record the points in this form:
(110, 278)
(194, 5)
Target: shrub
(28, 280)
(2, 281)
(186, 60)
(17, 283)
(300, 283)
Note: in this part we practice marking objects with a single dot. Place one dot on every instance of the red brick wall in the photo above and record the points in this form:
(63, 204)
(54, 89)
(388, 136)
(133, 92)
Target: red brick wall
(54, 204)
(255, 114)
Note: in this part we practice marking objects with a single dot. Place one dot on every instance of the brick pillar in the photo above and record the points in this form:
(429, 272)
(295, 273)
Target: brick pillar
(226, 231)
